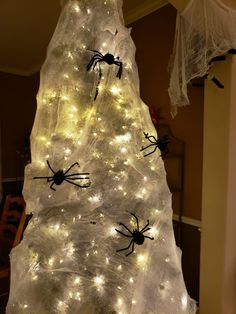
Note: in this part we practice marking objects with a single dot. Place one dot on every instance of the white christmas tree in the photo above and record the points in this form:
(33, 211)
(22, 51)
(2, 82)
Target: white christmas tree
(101, 237)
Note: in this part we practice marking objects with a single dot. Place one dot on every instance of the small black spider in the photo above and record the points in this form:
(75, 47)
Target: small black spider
(107, 58)
(161, 143)
(60, 176)
(137, 235)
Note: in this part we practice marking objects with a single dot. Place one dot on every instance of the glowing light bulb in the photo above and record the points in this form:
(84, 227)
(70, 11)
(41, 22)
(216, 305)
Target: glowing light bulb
(77, 280)
(88, 11)
(99, 282)
(120, 301)
(112, 231)
(184, 301)
(65, 97)
(94, 199)
(25, 306)
(115, 90)
(124, 150)
(76, 8)
(51, 261)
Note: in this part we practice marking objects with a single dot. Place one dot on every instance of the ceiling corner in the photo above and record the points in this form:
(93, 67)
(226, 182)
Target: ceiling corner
(143, 9)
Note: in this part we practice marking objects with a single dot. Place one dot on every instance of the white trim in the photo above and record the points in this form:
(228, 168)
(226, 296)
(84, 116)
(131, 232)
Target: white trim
(21, 72)
(5, 180)
(147, 7)
(188, 221)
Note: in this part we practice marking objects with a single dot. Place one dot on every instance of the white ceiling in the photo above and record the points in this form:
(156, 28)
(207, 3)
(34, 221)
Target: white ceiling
(26, 27)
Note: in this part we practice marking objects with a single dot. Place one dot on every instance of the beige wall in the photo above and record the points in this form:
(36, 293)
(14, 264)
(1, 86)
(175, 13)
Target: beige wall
(218, 250)
(153, 36)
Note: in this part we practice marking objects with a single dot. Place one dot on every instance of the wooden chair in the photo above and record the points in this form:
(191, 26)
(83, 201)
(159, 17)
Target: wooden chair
(11, 230)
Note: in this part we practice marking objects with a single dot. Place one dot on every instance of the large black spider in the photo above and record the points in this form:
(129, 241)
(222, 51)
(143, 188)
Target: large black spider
(107, 58)
(137, 235)
(161, 143)
(61, 176)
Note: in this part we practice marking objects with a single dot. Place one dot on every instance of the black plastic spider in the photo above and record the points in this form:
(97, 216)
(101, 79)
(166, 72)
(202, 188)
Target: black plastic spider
(161, 143)
(107, 58)
(61, 176)
(137, 235)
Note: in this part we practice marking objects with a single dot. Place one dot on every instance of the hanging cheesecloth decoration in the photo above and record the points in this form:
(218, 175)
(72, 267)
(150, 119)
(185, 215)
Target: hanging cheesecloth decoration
(204, 30)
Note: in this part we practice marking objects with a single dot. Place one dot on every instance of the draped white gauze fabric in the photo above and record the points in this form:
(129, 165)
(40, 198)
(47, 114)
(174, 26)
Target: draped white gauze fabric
(204, 30)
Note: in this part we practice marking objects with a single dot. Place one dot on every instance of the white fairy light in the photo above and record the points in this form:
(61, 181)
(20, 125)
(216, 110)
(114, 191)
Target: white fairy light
(112, 232)
(115, 90)
(51, 261)
(99, 281)
(65, 97)
(184, 301)
(67, 151)
(76, 8)
(123, 138)
(124, 150)
(88, 11)
(119, 267)
(120, 301)
(35, 277)
(77, 296)
(94, 199)
(25, 306)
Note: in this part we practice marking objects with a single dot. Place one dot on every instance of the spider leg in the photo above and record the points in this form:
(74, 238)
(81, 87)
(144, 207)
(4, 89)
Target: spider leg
(77, 174)
(87, 178)
(91, 62)
(42, 177)
(143, 148)
(75, 164)
(50, 179)
(95, 63)
(120, 65)
(145, 230)
(121, 224)
(126, 248)
(151, 152)
(136, 220)
(128, 236)
(98, 83)
(80, 186)
(151, 238)
(50, 167)
(152, 139)
(94, 58)
(97, 52)
(131, 250)
(145, 226)
(51, 186)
